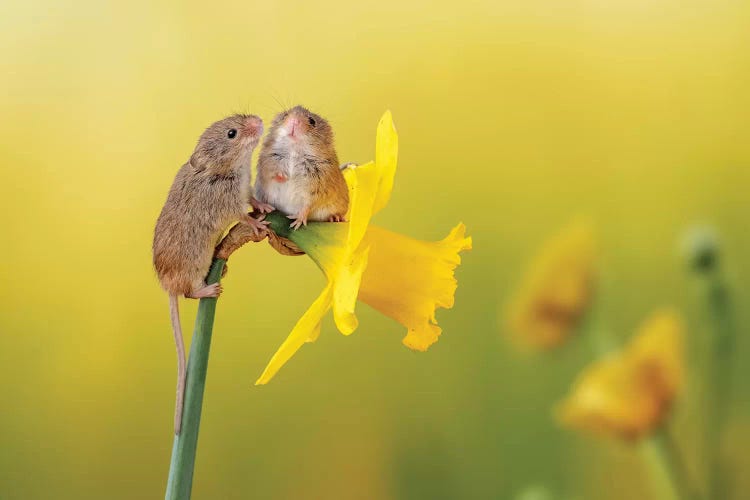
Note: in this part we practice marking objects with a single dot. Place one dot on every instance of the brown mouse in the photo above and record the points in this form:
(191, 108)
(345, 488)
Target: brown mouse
(298, 170)
(210, 192)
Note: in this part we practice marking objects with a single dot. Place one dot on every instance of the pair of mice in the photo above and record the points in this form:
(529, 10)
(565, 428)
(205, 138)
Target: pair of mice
(298, 174)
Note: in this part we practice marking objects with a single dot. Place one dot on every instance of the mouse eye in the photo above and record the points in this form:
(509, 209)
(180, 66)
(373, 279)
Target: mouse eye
(311, 120)
(232, 133)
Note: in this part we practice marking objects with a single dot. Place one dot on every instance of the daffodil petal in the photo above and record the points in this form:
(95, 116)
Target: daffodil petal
(315, 333)
(346, 291)
(306, 328)
(363, 185)
(386, 156)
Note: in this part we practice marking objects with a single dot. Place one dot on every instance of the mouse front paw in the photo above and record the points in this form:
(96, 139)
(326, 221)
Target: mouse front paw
(261, 207)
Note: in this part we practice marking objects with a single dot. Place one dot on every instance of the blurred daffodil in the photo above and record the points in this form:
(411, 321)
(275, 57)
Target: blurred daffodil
(629, 393)
(555, 291)
(401, 277)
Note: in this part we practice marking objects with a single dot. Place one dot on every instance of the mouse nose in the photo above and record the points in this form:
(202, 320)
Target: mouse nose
(253, 126)
(292, 124)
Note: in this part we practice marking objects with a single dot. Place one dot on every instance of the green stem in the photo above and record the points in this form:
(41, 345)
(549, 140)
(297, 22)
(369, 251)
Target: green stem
(279, 223)
(720, 371)
(181, 467)
(668, 470)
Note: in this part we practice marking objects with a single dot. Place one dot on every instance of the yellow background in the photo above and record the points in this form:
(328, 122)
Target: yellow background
(514, 117)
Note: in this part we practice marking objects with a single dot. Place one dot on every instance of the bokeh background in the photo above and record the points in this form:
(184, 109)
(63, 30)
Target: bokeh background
(514, 117)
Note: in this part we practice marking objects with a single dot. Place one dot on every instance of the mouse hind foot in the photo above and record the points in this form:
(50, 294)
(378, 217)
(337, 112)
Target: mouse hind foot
(206, 291)
(258, 226)
(300, 219)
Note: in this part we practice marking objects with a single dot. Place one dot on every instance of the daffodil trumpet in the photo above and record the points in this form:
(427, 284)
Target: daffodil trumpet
(399, 276)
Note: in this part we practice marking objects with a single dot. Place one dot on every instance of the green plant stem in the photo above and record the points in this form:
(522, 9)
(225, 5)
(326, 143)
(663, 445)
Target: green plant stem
(279, 224)
(719, 377)
(180, 480)
(668, 470)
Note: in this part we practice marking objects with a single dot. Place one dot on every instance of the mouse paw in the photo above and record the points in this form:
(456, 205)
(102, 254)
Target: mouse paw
(261, 207)
(299, 220)
(207, 291)
(337, 218)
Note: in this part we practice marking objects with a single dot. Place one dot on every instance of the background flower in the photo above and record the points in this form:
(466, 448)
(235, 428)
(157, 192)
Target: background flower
(556, 289)
(629, 393)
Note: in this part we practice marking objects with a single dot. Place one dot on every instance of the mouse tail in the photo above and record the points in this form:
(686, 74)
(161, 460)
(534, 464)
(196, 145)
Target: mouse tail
(174, 313)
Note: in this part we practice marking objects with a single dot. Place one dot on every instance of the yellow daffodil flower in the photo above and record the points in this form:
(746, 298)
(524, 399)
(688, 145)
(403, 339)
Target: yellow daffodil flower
(556, 290)
(629, 393)
(401, 277)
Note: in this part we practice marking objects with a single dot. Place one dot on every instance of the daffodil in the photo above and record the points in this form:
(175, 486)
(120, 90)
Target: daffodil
(401, 277)
(555, 291)
(629, 393)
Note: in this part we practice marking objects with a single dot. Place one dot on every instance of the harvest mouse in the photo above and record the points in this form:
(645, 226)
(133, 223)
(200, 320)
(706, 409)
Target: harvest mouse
(210, 192)
(298, 170)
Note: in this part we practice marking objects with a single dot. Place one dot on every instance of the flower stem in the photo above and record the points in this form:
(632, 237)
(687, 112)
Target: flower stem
(181, 467)
(720, 371)
(668, 470)
(279, 224)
